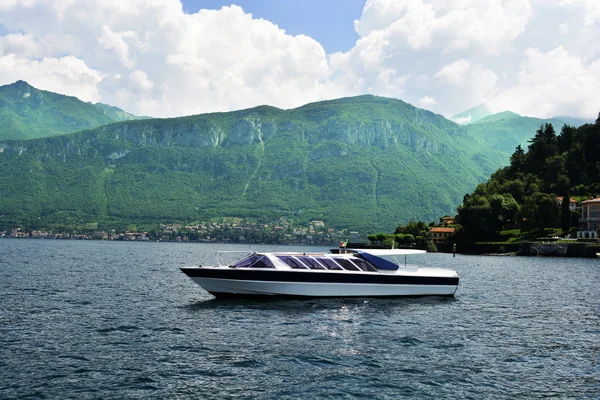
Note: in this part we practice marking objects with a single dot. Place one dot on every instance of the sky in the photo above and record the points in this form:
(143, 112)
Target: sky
(168, 58)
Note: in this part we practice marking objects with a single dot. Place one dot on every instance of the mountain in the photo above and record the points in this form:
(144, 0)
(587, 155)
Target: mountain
(505, 130)
(573, 121)
(472, 115)
(27, 113)
(115, 113)
(501, 116)
(482, 114)
(366, 163)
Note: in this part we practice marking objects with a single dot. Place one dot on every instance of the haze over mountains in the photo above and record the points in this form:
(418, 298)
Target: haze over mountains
(364, 163)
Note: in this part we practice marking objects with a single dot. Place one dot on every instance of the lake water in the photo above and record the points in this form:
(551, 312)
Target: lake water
(88, 319)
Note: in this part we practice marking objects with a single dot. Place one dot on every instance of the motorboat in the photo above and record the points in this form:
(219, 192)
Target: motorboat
(349, 273)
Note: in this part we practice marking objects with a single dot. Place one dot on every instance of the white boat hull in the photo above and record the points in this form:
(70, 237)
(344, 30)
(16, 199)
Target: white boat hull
(218, 287)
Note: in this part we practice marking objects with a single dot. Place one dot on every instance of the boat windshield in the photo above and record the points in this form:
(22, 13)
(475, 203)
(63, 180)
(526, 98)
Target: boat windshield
(254, 261)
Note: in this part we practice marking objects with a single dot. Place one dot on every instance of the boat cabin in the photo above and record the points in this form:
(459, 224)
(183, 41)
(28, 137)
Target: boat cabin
(332, 262)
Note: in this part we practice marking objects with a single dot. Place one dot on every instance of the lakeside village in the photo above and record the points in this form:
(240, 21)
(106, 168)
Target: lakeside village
(226, 230)
(584, 241)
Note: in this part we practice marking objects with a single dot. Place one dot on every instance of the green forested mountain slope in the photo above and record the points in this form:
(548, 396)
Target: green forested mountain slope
(27, 113)
(364, 163)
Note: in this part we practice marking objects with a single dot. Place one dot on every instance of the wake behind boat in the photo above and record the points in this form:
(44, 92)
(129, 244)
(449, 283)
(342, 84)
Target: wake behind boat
(355, 273)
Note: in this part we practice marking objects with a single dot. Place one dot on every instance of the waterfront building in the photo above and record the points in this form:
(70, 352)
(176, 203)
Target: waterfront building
(589, 223)
(440, 234)
(573, 205)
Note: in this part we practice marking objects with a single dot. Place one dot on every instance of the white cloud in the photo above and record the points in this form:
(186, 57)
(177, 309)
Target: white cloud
(563, 28)
(475, 83)
(467, 52)
(19, 44)
(454, 24)
(151, 57)
(140, 81)
(426, 102)
(114, 42)
(591, 9)
(147, 56)
(455, 73)
(66, 75)
(447, 50)
(552, 83)
(463, 120)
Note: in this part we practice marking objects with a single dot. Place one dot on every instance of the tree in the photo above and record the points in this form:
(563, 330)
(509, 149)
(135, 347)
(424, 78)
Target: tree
(518, 159)
(382, 238)
(565, 214)
(539, 211)
(414, 228)
(516, 189)
(486, 216)
(555, 176)
(565, 138)
(542, 146)
(563, 165)
(472, 215)
(591, 149)
(404, 239)
(503, 209)
(413, 232)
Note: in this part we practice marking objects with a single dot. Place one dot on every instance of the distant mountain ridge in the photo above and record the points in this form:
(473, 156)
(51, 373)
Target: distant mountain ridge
(483, 114)
(505, 130)
(472, 115)
(28, 113)
(116, 114)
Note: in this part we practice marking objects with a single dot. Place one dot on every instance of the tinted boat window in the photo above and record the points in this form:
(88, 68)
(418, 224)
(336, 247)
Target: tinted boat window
(310, 262)
(347, 264)
(362, 264)
(291, 262)
(329, 263)
(254, 262)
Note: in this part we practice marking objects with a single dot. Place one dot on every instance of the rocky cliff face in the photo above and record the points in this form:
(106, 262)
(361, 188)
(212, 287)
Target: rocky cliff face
(115, 141)
(188, 134)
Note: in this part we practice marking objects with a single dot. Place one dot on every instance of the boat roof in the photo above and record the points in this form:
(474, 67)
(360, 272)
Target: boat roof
(372, 256)
(346, 253)
(389, 252)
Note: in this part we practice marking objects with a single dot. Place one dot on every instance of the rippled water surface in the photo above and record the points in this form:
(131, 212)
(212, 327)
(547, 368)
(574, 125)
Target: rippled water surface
(119, 320)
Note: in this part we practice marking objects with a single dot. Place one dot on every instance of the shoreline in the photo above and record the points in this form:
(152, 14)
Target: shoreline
(528, 249)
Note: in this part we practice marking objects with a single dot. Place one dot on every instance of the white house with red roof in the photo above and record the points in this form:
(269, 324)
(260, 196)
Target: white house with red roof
(573, 205)
(439, 234)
